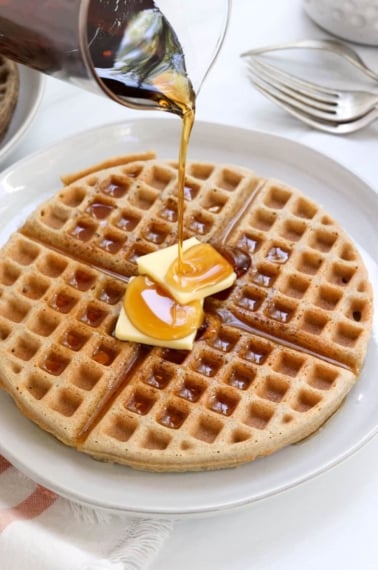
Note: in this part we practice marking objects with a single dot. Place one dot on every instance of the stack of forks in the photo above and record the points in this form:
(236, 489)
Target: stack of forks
(335, 111)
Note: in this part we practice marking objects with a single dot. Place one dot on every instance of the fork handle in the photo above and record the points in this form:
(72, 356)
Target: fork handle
(336, 46)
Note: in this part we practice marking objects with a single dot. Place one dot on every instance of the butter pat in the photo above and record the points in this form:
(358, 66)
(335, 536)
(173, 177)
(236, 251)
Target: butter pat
(155, 265)
(125, 330)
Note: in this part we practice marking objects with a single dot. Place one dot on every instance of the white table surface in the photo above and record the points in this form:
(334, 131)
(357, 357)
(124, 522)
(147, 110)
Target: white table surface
(330, 521)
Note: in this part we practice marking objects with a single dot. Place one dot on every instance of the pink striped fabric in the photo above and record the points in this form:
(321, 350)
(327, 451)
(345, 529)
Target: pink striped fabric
(32, 506)
(4, 464)
(69, 535)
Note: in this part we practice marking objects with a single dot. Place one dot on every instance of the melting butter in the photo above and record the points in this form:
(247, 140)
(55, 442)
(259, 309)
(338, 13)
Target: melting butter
(125, 330)
(163, 305)
(196, 281)
(153, 311)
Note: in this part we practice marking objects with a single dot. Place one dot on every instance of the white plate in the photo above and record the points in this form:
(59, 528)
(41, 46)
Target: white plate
(29, 99)
(118, 488)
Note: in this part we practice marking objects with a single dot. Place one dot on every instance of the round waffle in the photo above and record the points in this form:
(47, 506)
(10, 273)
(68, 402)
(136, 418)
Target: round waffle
(278, 352)
(9, 86)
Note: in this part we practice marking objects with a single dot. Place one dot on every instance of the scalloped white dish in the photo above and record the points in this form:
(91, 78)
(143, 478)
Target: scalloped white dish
(30, 96)
(117, 488)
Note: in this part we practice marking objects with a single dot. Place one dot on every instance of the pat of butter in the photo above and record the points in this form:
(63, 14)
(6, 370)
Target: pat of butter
(155, 265)
(125, 330)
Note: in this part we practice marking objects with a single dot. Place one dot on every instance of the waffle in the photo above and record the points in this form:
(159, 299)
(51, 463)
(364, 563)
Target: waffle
(9, 86)
(275, 358)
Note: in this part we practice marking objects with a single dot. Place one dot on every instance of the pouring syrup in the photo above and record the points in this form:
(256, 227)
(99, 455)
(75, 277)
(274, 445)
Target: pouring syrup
(147, 61)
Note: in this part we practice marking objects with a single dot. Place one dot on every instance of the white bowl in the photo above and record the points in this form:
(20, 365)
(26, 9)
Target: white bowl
(354, 20)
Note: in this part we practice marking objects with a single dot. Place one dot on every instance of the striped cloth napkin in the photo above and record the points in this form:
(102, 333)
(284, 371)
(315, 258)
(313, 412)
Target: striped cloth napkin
(41, 531)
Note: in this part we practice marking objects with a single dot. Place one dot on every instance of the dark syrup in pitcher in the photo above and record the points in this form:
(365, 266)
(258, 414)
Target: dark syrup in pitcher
(138, 55)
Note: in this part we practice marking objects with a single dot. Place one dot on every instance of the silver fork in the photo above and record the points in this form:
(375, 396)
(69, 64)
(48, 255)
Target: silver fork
(336, 111)
(333, 46)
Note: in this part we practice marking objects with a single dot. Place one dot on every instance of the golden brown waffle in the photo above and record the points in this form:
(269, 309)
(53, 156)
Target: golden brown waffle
(9, 86)
(279, 351)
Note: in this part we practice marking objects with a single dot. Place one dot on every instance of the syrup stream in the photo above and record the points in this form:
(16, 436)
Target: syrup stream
(187, 125)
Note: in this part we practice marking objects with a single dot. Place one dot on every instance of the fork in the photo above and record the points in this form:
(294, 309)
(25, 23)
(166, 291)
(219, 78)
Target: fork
(336, 111)
(333, 46)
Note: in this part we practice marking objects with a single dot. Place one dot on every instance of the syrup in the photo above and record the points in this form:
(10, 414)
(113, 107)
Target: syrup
(187, 124)
(63, 303)
(200, 266)
(160, 77)
(138, 56)
(277, 255)
(151, 309)
(73, 340)
(54, 365)
(82, 232)
(172, 418)
(100, 210)
(81, 280)
(237, 257)
(103, 356)
(147, 62)
(190, 392)
(93, 316)
(114, 190)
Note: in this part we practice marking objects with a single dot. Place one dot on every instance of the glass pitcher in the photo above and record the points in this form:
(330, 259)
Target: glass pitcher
(137, 52)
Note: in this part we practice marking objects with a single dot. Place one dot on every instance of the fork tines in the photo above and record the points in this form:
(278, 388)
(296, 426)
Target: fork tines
(332, 110)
